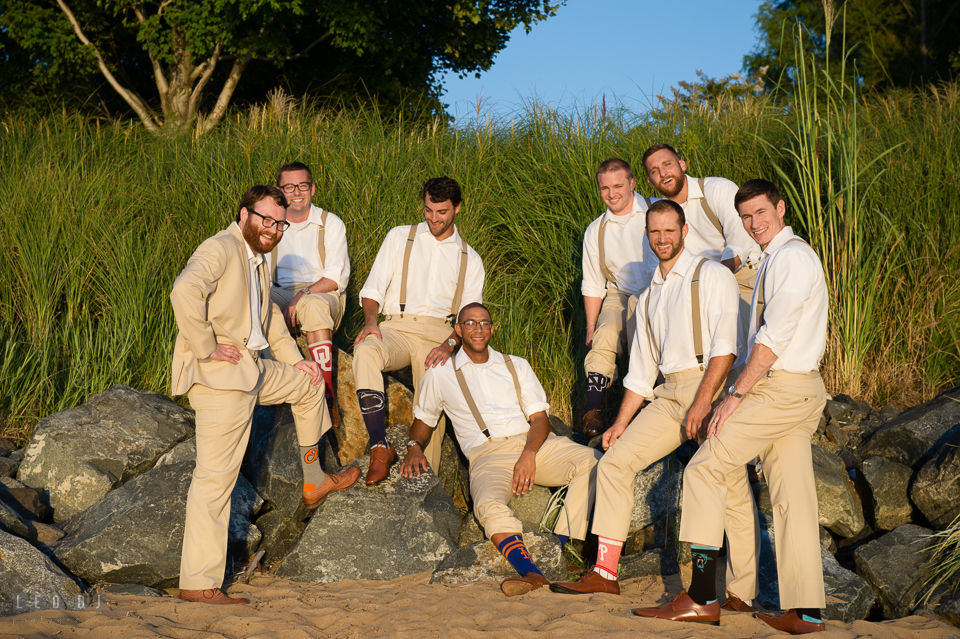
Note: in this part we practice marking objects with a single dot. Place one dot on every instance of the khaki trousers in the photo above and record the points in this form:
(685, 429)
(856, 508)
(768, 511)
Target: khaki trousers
(560, 462)
(406, 342)
(616, 325)
(316, 312)
(223, 429)
(775, 421)
(656, 432)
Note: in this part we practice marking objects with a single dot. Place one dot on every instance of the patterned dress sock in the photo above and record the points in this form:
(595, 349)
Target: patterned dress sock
(516, 553)
(373, 407)
(608, 557)
(703, 584)
(313, 474)
(596, 385)
(322, 353)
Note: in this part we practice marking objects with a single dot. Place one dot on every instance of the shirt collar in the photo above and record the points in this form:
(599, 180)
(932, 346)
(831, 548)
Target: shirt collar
(462, 359)
(422, 227)
(623, 219)
(693, 187)
(781, 238)
(684, 263)
(316, 215)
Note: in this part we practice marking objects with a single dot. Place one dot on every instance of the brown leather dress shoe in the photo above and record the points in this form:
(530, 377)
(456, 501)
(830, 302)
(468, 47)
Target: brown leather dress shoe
(683, 608)
(791, 622)
(522, 585)
(331, 483)
(593, 424)
(588, 582)
(211, 596)
(381, 458)
(736, 604)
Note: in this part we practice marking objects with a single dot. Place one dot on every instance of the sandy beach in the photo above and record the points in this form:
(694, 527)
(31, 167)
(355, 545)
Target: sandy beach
(411, 607)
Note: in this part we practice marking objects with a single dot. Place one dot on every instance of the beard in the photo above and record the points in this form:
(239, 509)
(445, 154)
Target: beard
(675, 252)
(256, 241)
(678, 183)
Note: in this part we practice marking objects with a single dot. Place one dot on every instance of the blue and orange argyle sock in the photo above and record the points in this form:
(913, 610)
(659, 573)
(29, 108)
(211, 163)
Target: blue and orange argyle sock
(516, 553)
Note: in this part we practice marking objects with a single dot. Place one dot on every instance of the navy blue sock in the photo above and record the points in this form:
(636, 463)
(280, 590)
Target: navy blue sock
(516, 553)
(703, 583)
(373, 407)
(809, 614)
(596, 384)
(562, 538)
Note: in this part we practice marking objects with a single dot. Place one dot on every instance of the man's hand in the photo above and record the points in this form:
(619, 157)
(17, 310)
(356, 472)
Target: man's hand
(733, 263)
(590, 330)
(414, 463)
(370, 329)
(438, 356)
(694, 420)
(613, 433)
(311, 368)
(524, 472)
(226, 353)
(721, 413)
(290, 311)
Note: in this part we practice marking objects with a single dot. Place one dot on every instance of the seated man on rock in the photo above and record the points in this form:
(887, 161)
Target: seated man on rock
(490, 397)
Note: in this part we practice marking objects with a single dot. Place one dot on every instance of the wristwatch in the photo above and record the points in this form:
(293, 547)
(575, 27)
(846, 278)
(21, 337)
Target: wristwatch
(732, 390)
(452, 343)
(414, 442)
(305, 291)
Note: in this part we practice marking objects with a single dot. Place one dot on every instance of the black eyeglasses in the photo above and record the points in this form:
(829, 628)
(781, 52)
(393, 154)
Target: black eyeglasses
(269, 222)
(290, 188)
(485, 325)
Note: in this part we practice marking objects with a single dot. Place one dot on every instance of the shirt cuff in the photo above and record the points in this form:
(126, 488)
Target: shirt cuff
(722, 347)
(371, 294)
(638, 386)
(536, 408)
(764, 338)
(332, 274)
(589, 291)
(429, 420)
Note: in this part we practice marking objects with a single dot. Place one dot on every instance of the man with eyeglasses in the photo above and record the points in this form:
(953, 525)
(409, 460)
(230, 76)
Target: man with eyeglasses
(311, 268)
(222, 306)
(422, 276)
(499, 414)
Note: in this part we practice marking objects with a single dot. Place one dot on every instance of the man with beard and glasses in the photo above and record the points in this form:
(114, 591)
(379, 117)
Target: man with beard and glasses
(421, 278)
(221, 301)
(687, 329)
(715, 228)
(499, 414)
(311, 268)
(617, 267)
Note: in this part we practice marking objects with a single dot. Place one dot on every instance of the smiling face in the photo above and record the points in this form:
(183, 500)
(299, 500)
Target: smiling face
(666, 173)
(762, 219)
(259, 238)
(665, 234)
(616, 191)
(475, 340)
(440, 216)
(299, 200)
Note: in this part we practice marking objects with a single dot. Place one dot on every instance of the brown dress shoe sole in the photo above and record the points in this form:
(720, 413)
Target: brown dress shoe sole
(212, 596)
(514, 586)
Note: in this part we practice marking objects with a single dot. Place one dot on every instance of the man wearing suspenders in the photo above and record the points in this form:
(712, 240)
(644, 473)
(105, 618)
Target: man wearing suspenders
(617, 267)
(687, 329)
(490, 397)
(422, 276)
(715, 228)
(311, 268)
(771, 410)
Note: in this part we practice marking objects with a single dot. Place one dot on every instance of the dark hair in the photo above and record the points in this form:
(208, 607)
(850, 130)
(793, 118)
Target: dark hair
(612, 165)
(441, 189)
(755, 188)
(653, 149)
(293, 166)
(473, 305)
(663, 206)
(259, 192)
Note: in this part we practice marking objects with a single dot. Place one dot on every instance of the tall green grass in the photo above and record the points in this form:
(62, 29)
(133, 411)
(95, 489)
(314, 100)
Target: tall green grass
(99, 219)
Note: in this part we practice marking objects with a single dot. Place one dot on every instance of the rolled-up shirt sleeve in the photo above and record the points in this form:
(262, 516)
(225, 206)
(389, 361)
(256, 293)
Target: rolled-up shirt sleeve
(643, 369)
(531, 391)
(336, 265)
(430, 403)
(594, 283)
(788, 284)
(721, 297)
(375, 287)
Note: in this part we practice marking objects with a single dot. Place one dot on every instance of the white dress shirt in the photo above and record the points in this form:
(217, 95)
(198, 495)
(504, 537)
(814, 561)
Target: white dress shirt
(494, 392)
(628, 254)
(432, 276)
(795, 296)
(703, 238)
(671, 318)
(298, 261)
(257, 341)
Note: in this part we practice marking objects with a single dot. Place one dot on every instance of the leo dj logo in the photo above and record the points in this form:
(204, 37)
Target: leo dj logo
(30, 601)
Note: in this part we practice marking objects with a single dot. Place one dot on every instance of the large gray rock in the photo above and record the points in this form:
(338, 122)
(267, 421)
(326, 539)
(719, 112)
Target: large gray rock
(29, 580)
(896, 565)
(848, 596)
(8, 467)
(652, 563)
(656, 493)
(936, 491)
(943, 605)
(29, 503)
(135, 534)
(280, 533)
(37, 533)
(81, 454)
(883, 486)
(272, 462)
(483, 562)
(529, 509)
(839, 507)
(916, 434)
(398, 527)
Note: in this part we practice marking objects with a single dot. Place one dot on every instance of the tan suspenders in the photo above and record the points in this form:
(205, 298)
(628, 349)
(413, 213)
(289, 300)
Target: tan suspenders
(603, 256)
(760, 295)
(473, 405)
(706, 207)
(461, 278)
(695, 316)
(321, 246)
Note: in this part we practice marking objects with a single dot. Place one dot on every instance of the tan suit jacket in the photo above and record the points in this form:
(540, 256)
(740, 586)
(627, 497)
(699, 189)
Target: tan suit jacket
(211, 303)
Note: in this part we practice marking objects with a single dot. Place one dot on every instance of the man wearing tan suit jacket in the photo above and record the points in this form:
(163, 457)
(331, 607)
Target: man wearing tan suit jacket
(221, 300)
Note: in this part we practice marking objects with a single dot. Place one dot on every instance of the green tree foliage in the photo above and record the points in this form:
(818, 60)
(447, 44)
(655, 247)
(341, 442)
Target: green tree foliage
(173, 62)
(896, 43)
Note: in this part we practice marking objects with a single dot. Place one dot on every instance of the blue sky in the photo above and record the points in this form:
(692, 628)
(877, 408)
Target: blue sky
(630, 49)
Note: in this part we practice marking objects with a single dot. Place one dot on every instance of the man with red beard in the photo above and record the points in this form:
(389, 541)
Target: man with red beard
(221, 301)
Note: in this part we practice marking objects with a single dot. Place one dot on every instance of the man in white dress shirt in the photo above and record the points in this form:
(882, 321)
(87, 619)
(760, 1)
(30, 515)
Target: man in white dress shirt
(771, 410)
(311, 268)
(687, 329)
(617, 267)
(499, 414)
(422, 276)
(715, 228)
